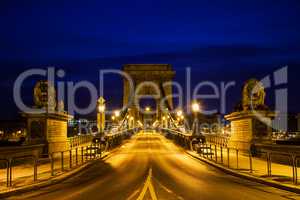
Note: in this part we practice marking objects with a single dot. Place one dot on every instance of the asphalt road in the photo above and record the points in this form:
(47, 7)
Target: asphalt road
(151, 167)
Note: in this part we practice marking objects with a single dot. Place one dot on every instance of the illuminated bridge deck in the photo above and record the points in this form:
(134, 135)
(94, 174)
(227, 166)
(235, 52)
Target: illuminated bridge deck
(152, 167)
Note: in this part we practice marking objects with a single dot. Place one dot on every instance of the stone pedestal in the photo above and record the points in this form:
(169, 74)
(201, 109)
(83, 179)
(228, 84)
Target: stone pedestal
(49, 129)
(247, 128)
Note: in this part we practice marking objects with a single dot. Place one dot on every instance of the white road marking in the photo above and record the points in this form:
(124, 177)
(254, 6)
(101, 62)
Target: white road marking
(148, 185)
(133, 194)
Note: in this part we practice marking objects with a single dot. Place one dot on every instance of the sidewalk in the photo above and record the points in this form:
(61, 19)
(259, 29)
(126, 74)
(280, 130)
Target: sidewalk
(240, 164)
(22, 175)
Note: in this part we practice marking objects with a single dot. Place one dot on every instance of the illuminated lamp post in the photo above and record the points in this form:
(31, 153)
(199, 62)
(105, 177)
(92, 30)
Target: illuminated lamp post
(101, 115)
(195, 110)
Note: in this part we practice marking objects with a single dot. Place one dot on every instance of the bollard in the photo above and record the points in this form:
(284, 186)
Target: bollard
(62, 161)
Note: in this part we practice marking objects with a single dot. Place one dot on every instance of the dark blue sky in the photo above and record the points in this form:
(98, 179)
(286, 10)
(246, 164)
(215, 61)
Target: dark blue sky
(219, 40)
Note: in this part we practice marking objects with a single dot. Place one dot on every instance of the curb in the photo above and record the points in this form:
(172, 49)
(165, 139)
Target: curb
(58, 179)
(248, 176)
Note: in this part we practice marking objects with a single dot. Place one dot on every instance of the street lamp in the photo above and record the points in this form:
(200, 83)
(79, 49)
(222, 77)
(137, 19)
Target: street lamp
(164, 121)
(147, 108)
(195, 109)
(101, 108)
(179, 113)
(117, 113)
(101, 115)
(131, 122)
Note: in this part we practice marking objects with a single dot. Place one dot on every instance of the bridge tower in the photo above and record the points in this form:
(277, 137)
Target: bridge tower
(152, 80)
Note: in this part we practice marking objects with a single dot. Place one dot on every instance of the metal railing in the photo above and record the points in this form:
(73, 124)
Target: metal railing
(11, 155)
(53, 158)
(74, 157)
(221, 140)
(61, 161)
(260, 163)
(79, 140)
(233, 155)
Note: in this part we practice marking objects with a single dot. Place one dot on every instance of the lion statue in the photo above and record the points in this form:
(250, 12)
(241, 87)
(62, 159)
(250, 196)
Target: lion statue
(253, 95)
(44, 95)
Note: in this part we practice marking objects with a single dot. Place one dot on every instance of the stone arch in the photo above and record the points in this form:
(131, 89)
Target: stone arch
(141, 73)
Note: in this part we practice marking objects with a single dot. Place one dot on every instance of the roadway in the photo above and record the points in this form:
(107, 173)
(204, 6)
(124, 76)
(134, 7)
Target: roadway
(152, 167)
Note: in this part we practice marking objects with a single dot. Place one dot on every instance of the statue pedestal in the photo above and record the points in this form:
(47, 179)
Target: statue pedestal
(247, 128)
(48, 128)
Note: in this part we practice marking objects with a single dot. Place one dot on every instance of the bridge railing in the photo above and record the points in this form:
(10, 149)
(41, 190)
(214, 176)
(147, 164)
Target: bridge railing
(183, 139)
(16, 174)
(273, 162)
(79, 140)
(17, 164)
(21, 154)
(218, 139)
(262, 162)
(176, 132)
(114, 139)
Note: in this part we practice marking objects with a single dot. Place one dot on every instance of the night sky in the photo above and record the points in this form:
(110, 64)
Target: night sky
(220, 40)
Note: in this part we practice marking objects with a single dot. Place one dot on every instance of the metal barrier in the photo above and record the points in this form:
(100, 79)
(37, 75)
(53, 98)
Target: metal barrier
(183, 139)
(12, 154)
(8, 177)
(73, 157)
(114, 139)
(79, 140)
(218, 139)
(216, 150)
(294, 157)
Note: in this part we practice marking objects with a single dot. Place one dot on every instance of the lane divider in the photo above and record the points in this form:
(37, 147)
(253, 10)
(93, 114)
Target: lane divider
(148, 186)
